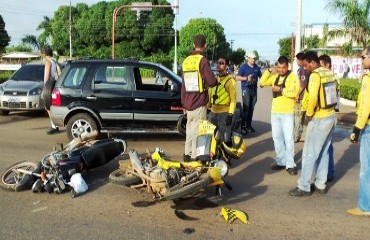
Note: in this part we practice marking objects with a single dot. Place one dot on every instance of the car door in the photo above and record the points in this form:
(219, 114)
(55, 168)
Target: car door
(154, 102)
(111, 94)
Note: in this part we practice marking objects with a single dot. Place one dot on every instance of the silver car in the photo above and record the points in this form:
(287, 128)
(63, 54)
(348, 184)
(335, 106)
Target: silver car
(22, 92)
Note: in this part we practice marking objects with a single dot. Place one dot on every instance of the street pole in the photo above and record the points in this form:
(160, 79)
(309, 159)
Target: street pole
(70, 30)
(175, 12)
(298, 33)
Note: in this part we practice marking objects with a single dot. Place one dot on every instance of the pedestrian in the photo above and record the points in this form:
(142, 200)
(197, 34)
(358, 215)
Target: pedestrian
(285, 88)
(52, 71)
(346, 69)
(248, 74)
(321, 116)
(361, 134)
(325, 61)
(197, 77)
(158, 77)
(299, 113)
(222, 100)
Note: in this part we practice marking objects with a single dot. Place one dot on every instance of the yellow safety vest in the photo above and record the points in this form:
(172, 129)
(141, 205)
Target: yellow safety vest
(192, 77)
(219, 95)
(359, 97)
(328, 89)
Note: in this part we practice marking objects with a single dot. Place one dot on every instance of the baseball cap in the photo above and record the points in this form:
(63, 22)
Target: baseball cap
(251, 55)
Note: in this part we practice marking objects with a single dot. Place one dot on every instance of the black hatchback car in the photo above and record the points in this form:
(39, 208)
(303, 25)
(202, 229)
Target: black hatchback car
(116, 96)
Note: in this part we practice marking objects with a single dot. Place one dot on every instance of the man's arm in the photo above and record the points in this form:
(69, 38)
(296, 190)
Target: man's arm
(47, 71)
(313, 90)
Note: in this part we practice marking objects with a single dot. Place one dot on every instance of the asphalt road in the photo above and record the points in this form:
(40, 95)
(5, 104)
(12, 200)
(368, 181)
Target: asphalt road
(109, 211)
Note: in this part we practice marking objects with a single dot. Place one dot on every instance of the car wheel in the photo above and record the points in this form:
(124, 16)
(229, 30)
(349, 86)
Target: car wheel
(4, 112)
(80, 123)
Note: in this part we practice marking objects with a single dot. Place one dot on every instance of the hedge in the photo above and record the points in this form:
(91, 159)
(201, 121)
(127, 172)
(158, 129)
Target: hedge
(5, 75)
(349, 88)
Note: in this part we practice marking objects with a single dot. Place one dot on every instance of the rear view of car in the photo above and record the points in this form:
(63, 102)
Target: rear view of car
(22, 92)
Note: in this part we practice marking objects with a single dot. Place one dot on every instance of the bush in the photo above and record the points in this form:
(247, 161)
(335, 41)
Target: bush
(5, 75)
(349, 88)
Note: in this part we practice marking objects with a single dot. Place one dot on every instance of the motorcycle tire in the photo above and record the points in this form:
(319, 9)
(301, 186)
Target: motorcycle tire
(203, 181)
(10, 177)
(123, 177)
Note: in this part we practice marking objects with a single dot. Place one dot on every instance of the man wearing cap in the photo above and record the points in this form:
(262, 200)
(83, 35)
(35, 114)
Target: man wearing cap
(248, 74)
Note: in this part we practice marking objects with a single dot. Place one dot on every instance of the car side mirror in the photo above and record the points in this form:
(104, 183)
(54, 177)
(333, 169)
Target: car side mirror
(174, 88)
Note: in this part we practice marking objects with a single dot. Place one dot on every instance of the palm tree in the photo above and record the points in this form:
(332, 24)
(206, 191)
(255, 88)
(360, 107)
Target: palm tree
(32, 41)
(355, 15)
(46, 36)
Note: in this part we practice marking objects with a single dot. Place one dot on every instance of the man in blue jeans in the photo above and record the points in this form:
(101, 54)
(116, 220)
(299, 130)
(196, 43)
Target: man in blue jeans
(321, 116)
(248, 74)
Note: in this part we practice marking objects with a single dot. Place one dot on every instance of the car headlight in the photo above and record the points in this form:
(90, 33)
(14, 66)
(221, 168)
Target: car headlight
(1, 90)
(36, 91)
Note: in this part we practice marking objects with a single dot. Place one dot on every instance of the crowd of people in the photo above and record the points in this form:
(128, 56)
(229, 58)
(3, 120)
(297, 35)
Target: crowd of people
(303, 110)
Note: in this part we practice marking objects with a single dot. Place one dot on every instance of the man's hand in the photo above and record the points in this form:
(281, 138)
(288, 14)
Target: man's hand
(229, 119)
(355, 135)
(297, 99)
(276, 89)
(308, 118)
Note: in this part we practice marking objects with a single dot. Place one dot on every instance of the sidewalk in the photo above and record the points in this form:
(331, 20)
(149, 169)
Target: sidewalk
(347, 112)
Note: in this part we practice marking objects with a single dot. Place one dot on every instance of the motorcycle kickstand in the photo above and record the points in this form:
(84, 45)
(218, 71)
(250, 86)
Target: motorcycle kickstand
(227, 184)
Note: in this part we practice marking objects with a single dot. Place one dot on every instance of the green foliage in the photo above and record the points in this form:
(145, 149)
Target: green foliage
(5, 75)
(214, 34)
(4, 37)
(349, 88)
(238, 56)
(286, 44)
(19, 48)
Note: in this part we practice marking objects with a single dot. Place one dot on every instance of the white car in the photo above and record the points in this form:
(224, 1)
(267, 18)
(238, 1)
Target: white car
(22, 92)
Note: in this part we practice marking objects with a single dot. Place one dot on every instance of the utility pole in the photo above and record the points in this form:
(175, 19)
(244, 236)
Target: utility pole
(175, 12)
(298, 33)
(231, 44)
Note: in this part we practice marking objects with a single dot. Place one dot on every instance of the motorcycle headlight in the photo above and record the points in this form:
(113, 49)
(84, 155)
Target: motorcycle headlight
(36, 91)
(223, 166)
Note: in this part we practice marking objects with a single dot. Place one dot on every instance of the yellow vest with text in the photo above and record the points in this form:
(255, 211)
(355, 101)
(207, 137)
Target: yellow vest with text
(192, 77)
(322, 93)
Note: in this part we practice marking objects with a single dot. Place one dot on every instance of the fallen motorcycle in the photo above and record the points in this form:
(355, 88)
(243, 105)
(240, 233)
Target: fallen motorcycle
(61, 169)
(166, 179)
(170, 180)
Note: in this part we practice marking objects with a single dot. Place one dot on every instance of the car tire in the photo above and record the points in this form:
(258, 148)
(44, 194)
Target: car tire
(4, 112)
(181, 125)
(80, 123)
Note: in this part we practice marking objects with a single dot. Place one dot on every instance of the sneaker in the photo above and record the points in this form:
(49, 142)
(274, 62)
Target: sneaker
(275, 166)
(292, 171)
(297, 192)
(321, 191)
(249, 128)
(358, 212)
(52, 130)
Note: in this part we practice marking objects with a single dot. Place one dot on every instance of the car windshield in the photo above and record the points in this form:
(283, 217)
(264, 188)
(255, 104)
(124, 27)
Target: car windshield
(29, 73)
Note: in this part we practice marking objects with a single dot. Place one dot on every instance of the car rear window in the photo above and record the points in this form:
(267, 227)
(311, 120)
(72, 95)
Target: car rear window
(29, 73)
(74, 77)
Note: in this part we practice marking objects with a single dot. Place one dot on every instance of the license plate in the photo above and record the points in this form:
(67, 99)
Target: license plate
(14, 100)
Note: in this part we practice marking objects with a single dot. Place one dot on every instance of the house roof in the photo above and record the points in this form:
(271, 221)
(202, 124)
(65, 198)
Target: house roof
(20, 55)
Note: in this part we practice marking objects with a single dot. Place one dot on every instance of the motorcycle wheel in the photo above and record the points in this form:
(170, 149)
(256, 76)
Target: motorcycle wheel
(123, 177)
(11, 177)
(203, 181)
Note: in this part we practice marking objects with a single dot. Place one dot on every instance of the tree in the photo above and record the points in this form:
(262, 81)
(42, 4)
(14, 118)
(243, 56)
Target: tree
(45, 37)
(31, 40)
(4, 37)
(355, 15)
(238, 56)
(286, 45)
(18, 48)
(214, 33)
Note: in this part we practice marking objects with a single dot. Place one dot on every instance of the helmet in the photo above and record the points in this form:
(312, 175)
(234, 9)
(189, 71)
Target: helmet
(235, 148)
(181, 124)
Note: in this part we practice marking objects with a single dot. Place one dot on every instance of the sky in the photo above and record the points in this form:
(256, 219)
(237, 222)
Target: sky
(250, 25)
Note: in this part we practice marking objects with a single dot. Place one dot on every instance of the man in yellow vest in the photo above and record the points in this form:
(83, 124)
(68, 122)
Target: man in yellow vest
(285, 88)
(222, 101)
(322, 97)
(361, 133)
(196, 79)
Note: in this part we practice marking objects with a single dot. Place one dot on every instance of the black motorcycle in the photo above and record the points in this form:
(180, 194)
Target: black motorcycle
(56, 169)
